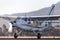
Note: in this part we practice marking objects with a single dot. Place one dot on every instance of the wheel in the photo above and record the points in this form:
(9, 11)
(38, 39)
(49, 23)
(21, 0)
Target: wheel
(15, 35)
(38, 36)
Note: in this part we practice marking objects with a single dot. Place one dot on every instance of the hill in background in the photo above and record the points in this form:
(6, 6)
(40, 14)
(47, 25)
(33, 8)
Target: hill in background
(43, 11)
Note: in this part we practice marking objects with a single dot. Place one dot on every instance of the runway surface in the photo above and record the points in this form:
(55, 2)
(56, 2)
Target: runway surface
(30, 37)
(26, 39)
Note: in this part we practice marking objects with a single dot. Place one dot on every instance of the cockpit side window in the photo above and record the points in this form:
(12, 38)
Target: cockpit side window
(14, 21)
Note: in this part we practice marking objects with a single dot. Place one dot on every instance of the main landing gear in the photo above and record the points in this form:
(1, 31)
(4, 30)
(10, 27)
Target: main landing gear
(38, 36)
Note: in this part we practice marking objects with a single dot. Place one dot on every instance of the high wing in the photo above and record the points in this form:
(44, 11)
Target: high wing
(44, 17)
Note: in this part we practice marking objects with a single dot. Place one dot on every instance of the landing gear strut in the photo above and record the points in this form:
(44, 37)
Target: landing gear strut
(16, 34)
(38, 36)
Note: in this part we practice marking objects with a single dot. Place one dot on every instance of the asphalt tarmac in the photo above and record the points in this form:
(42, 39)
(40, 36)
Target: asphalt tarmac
(26, 39)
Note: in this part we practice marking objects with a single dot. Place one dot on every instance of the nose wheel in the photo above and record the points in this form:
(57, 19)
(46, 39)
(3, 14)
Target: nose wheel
(15, 35)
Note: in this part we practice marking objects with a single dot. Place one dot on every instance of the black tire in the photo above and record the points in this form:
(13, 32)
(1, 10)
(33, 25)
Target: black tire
(15, 35)
(38, 36)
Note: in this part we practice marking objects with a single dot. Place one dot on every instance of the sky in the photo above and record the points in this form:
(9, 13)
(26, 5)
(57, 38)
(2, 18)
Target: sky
(22, 6)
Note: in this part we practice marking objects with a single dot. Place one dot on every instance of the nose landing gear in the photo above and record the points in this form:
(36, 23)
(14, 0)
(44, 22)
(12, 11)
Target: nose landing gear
(15, 35)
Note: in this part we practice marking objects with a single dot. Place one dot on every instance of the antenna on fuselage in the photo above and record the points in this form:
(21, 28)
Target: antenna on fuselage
(25, 15)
